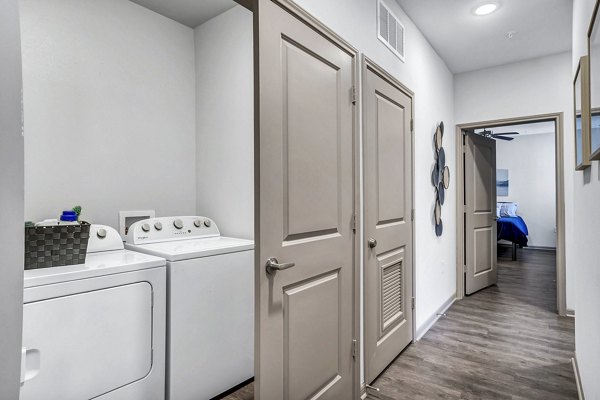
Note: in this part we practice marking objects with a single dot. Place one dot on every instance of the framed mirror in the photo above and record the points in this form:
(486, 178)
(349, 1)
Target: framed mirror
(594, 77)
(582, 115)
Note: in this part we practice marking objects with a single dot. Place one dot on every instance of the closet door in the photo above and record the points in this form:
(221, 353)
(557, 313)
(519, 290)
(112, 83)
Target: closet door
(305, 199)
(480, 199)
(388, 243)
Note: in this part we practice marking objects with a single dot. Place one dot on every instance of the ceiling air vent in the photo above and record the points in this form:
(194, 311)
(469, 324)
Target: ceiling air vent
(390, 30)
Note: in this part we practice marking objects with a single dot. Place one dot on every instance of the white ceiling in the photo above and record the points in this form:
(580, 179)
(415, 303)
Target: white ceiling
(468, 42)
(188, 12)
(535, 128)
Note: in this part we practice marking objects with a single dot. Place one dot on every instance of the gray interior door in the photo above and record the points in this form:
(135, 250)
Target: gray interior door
(11, 201)
(480, 212)
(305, 200)
(388, 222)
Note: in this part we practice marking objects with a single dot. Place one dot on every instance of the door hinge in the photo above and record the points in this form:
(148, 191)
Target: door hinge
(412, 302)
(412, 125)
(354, 223)
(354, 348)
(353, 94)
(412, 214)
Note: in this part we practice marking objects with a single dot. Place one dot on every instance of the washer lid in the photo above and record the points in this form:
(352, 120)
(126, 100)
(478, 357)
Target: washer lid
(193, 248)
(96, 264)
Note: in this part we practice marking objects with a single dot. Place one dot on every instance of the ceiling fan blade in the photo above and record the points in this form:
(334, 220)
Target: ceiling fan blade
(506, 133)
(503, 138)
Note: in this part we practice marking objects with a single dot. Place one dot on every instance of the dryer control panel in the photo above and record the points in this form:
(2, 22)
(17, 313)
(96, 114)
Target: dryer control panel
(166, 229)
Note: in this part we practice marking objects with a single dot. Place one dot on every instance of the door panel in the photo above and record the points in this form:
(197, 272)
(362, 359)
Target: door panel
(313, 318)
(311, 143)
(390, 181)
(388, 203)
(305, 200)
(480, 199)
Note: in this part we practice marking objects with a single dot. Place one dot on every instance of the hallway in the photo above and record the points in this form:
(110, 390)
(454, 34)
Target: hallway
(504, 342)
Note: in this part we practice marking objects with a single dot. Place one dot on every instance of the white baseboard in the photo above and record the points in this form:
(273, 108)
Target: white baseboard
(577, 378)
(570, 313)
(422, 330)
(546, 248)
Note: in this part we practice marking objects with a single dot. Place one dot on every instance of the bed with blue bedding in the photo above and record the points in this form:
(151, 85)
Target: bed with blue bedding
(511, 227)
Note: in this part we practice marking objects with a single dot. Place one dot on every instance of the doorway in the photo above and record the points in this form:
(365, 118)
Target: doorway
(481, 129)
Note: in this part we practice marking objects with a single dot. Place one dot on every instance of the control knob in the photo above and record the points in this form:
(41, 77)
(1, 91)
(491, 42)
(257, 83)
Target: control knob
(198, 223)
(158, 225)
(146, 227)
(207, 223)
(178, 223)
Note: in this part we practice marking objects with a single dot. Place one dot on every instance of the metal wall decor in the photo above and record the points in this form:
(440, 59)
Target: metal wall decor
(440, 178)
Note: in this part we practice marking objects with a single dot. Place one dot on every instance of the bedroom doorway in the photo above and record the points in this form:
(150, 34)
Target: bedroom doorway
(523, 179)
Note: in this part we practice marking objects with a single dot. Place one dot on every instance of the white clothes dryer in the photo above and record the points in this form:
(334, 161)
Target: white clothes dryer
(96, 330)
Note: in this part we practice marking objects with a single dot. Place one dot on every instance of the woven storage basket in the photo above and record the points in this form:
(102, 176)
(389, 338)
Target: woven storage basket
(55, 246)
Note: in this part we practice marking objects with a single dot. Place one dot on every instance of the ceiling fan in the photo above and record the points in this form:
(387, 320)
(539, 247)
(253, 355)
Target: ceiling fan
(501, 136)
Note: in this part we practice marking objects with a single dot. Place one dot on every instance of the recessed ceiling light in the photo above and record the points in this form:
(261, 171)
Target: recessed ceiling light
(486, 9)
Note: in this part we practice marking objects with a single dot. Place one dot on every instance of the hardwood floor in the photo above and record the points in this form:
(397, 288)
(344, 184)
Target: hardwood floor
(504, 342)
(245, 392)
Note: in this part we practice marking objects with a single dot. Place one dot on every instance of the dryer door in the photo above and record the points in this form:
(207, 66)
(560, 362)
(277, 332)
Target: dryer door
(84, 345)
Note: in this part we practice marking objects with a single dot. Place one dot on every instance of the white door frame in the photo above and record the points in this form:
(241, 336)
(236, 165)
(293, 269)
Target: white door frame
(557, 118)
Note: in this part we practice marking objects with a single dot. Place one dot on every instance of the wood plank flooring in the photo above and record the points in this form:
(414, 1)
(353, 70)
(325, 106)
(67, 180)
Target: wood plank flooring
(504, 342)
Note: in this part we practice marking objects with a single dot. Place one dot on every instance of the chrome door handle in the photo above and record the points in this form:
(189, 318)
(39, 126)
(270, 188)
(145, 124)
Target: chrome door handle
(372, 243)
(274, 266)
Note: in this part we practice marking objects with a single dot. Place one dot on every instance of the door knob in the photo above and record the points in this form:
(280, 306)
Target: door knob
(274, 266)
(372, 243)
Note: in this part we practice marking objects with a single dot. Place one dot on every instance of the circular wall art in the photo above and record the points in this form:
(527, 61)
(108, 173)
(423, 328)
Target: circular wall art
(440, 178)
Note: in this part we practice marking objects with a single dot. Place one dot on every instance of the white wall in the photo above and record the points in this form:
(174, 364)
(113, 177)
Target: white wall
(427, 75)
(586, 193)
(225, 121)
(11, 201)
(109, 110)
(530, 160)
(532, 87)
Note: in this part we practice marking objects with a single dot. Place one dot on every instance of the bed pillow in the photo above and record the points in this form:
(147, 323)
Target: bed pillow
(508, 209)
(498, 208)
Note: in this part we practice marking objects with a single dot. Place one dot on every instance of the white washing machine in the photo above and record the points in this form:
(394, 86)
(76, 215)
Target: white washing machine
(210, 307)
(96, 330)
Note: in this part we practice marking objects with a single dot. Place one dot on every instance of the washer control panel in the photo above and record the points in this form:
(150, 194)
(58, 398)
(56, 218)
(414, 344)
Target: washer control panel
(165, 229)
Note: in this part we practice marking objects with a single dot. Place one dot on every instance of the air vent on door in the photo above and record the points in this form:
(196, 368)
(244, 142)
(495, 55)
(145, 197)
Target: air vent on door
(391, 293)
(390, 30)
